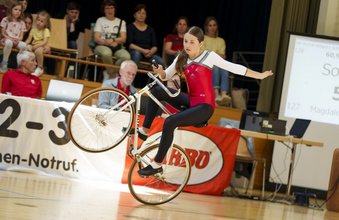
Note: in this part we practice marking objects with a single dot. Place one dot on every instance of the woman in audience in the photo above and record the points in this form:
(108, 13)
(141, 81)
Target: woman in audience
(141, 38)
(12, 32)
(110, 36)
(21, 82)
(38, 39)
(220, 76)
(174, 42)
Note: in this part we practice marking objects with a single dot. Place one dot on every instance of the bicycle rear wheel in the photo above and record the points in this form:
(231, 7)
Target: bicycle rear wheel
(96, 126)
(160, 188)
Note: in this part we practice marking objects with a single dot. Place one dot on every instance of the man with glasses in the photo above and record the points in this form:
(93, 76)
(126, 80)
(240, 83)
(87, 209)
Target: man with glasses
(128, 71)
(110, 36)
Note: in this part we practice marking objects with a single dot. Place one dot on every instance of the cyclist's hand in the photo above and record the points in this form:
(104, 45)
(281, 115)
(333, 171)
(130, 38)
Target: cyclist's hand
(160, 71)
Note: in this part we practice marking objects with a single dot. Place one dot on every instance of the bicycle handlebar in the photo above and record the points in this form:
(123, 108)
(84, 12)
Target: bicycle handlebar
(155, 78)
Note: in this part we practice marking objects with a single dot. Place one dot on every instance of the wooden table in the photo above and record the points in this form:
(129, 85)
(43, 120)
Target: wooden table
(284, 140)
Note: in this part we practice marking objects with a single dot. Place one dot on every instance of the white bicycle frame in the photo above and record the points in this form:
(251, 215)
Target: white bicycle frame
(136, 98)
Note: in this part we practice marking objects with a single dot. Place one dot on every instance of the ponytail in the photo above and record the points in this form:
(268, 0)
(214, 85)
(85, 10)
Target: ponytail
(181, 62)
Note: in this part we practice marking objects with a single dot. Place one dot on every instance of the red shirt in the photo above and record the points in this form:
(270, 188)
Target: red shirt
(199, 82)
(21, 84)
(127, 90)
(177, 42)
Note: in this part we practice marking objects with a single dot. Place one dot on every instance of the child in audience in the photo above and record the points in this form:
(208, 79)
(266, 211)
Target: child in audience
(28, 19)
(12, 31)
(38, 39)
(24, 4)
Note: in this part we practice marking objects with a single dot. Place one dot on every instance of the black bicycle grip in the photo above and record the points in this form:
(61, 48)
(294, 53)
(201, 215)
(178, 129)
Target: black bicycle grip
(155, 64)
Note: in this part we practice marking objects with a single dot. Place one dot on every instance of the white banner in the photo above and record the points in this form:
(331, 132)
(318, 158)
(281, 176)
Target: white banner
(33, 137)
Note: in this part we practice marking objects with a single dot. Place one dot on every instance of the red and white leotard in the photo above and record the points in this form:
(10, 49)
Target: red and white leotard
(198, 73)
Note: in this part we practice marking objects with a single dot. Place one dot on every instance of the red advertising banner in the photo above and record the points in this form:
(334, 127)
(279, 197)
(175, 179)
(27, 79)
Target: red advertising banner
(211, 150)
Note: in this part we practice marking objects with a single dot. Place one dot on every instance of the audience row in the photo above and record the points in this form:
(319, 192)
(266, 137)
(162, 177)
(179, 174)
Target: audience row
(112, 38)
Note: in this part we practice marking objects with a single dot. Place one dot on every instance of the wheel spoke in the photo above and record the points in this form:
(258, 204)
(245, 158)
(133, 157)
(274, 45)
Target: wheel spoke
(97, 128)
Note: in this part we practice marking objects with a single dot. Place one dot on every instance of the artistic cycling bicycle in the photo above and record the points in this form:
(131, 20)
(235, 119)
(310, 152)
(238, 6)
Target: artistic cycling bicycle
(95, 127)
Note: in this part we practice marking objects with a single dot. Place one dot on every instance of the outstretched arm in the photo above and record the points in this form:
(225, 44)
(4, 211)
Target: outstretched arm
(215, 60)
(257, 75)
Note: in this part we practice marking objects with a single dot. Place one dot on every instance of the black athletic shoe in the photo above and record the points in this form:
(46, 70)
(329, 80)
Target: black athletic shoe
(148, 171)
(142, 136)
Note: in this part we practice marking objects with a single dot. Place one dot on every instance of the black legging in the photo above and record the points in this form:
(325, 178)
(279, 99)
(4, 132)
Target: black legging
(192, 116)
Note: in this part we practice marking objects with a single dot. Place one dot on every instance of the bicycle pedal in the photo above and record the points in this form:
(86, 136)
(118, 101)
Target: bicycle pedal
(158, 175)
(144, 177)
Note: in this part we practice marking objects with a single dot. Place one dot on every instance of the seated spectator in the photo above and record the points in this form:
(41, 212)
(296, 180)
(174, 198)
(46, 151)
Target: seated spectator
(38, 39)
(12, 32)
(28, 19)
(128, 70)
(213, 42)
(141, 38)
(72, 23)
(24, 4)
(174, 42)
(110, 36)
(21, 82)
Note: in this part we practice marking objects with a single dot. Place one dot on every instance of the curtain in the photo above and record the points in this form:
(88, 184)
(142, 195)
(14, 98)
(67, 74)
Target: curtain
(286, 16)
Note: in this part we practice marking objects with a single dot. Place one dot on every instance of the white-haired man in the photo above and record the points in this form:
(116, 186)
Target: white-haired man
(128, 71)
(21, 82)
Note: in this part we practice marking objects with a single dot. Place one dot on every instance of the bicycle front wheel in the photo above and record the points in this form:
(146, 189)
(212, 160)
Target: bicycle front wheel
(164, 187)
(100, 119)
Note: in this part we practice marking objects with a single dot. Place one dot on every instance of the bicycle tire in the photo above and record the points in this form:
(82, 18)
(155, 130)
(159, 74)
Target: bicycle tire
(98, 128)
(156, 190)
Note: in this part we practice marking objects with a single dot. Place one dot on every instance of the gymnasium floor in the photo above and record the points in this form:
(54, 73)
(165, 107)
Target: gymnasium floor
(33, 196)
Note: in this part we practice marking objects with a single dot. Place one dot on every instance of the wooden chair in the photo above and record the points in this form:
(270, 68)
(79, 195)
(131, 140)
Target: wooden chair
(58, 44)
(89, 54)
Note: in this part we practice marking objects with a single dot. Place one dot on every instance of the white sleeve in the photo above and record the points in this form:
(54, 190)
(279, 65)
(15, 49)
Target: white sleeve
(98, 25)
(215, 60)
(123, 26)
(170, 71)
